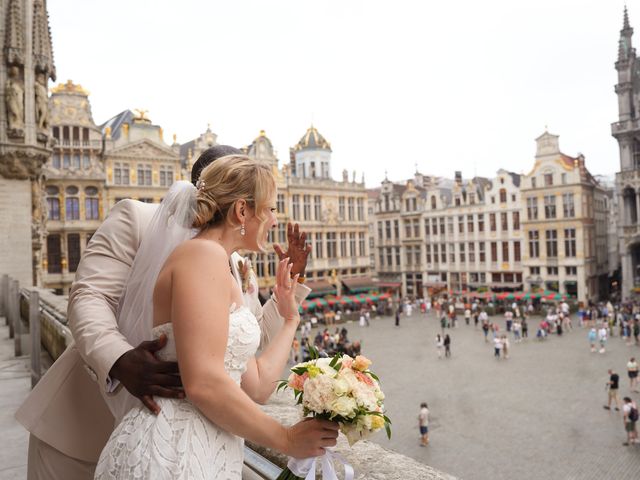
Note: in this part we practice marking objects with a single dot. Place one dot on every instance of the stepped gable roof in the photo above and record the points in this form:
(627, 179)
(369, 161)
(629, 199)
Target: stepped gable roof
(312, 140)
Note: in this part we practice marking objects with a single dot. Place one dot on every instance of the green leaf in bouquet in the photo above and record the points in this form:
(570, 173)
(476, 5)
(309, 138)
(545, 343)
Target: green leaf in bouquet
(338, 366)
(299, 370)
(387, 428)
(334, 361)
(313, 353)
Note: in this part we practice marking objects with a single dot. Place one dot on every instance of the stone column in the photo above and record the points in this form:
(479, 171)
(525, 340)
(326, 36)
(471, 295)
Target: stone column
(637, 205)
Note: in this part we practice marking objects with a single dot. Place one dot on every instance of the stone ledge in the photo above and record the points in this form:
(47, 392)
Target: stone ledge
(370, 460)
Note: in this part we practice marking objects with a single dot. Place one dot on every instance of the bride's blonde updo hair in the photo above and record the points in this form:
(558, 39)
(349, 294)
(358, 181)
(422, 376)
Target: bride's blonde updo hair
(227, 180)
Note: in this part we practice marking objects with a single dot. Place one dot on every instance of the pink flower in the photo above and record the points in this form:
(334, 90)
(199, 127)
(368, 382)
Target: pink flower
(364, 378)
(296, 381)
(346, 362)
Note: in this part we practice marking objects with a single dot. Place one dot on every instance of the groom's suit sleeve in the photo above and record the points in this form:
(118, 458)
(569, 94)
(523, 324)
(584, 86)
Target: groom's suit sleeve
(95, 293)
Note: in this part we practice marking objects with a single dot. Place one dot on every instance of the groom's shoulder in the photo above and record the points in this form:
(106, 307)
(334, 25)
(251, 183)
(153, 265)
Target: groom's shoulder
(132, 212)
(130, 207)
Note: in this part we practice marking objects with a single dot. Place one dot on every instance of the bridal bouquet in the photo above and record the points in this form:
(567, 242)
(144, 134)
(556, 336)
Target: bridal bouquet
(341, 389)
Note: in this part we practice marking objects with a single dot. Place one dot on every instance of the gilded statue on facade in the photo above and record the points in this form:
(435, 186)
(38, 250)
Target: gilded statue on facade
(42, 100)
(14, 100)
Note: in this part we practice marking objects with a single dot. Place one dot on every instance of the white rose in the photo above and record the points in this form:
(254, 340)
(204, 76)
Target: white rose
(344, 406)
(340, 386)
(318, 394)
(323, 364)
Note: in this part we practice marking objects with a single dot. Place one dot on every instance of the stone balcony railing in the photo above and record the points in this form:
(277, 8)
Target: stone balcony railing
(620, 127)
(628, 176)
(630, 230)
(370, 461)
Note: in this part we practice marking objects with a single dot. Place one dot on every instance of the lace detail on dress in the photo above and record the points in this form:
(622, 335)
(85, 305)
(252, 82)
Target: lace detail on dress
(181, 443)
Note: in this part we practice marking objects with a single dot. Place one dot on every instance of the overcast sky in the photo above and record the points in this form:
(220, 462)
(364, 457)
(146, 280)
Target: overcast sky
(447, 85)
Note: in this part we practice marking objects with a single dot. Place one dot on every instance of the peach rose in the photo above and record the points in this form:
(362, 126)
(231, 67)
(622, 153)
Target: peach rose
(361, 363)
(296, 381)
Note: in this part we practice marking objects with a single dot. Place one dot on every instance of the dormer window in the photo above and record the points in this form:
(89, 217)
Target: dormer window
(548, 179)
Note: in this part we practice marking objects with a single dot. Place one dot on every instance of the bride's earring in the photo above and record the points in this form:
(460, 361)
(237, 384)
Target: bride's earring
(242, 230)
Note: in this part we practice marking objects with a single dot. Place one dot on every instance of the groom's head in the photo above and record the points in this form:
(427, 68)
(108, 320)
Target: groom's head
(208, 156)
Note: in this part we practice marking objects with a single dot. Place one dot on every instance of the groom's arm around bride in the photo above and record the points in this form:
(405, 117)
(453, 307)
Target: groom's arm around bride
(66, 414)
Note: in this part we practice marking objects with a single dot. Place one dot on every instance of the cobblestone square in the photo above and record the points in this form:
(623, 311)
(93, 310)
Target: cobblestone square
(537, 415)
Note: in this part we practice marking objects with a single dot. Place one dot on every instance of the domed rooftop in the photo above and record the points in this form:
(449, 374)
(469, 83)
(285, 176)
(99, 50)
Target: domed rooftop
(312, 140)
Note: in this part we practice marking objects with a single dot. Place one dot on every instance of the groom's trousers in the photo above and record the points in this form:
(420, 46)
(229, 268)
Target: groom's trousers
(47, 463)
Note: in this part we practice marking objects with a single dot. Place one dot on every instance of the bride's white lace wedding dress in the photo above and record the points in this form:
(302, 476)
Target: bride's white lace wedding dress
(181, 443)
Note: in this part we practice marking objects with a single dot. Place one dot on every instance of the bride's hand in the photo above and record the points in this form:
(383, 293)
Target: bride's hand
(284, 292)
(310, 437)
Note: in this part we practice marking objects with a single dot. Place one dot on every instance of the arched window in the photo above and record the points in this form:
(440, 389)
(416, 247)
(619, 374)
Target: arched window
(53, 202)
(636, 153)
(503, 195)
(72, 203)
(91, 204)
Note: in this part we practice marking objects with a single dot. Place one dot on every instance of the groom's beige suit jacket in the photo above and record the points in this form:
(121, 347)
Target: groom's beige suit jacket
(66, 409)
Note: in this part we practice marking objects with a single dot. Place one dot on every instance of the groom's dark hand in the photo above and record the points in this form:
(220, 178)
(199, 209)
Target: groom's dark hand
(144, 376)
(298, 250)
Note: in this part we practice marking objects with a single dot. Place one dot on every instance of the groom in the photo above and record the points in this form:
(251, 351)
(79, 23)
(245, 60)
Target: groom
(66, 412)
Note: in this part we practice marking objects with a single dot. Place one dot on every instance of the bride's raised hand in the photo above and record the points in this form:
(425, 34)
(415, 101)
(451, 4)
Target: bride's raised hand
(284, 292)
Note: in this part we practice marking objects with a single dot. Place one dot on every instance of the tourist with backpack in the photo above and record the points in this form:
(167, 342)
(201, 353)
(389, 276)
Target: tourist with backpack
(630, 417)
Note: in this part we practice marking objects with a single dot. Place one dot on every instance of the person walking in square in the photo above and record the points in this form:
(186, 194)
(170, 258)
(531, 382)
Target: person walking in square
(447, 345)
(602, 338)
(423, 424)
(612, 389)
(629, 418)
(592, 337)
(497, 346)
(398, 317)
(632, 371)
(506, 348)
(525, 327)
(439, 345)
(485, 330)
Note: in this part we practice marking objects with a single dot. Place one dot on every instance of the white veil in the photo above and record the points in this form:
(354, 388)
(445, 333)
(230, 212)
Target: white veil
(170, 226)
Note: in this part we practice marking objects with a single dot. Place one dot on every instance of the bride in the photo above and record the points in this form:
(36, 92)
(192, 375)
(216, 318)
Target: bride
(181, 286)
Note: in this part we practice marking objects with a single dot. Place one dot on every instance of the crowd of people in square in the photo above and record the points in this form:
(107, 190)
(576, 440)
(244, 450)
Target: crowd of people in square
(544, 320)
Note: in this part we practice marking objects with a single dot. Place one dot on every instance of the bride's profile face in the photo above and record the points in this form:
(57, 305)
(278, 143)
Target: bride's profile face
(259, 224)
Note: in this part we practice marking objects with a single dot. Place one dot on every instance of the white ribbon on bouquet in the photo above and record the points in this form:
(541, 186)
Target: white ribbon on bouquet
(306, 467)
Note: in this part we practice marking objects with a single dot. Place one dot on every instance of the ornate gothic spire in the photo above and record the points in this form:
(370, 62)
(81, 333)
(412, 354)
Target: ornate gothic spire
(14, 37)
(625, 49)
(42, 49)
(625, 23)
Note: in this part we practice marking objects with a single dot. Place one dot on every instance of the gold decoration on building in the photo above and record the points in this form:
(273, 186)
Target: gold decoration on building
(107, 133)
(125, 129)
(141, 116)
(70, 87)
